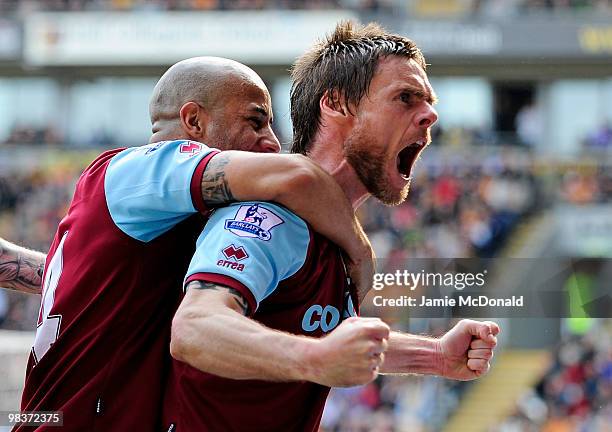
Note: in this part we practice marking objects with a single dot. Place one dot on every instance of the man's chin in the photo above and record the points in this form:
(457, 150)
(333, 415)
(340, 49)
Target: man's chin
(390, 196)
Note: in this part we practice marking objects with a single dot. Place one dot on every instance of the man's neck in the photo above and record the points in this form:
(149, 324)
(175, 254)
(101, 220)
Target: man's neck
(331, 159)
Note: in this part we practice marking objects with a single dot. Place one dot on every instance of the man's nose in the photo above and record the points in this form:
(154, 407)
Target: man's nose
(269, 143)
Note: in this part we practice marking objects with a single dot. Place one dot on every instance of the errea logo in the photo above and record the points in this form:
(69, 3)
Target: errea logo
(233, 254)
(238, 253)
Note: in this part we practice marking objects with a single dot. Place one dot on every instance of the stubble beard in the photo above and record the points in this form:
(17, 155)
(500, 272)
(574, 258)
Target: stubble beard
(220, 137)
(370, 168)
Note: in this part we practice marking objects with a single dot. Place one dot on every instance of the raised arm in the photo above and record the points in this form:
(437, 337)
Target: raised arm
(21, 269)
(300, 185)
(211, 333)
(462, 354)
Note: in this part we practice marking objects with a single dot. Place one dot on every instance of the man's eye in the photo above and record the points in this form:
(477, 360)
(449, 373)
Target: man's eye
(256, 123)
(407, 98)
(413, 97)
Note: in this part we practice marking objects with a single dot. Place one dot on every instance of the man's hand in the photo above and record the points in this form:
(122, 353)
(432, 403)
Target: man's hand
(351, 354)
(464, 352)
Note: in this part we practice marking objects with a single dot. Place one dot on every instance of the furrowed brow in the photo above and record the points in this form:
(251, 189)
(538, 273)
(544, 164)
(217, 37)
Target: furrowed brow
(263, 112)
(424, 94)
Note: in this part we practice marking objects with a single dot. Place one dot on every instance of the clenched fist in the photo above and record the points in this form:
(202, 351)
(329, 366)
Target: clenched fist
(466, 349)
(351, 354)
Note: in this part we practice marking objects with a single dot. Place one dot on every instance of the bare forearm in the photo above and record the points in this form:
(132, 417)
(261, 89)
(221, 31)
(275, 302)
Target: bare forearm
(21, 269)
(238, 348)
(411, 354)
(230, 345)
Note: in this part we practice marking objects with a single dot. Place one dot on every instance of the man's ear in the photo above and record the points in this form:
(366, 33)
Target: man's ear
(193, 120)
(334, 107)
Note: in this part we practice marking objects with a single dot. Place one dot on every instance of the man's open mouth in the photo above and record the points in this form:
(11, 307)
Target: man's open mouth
(407, 157)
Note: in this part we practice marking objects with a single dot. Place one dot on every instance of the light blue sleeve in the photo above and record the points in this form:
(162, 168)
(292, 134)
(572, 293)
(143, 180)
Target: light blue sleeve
(250, 246)
(148, 189)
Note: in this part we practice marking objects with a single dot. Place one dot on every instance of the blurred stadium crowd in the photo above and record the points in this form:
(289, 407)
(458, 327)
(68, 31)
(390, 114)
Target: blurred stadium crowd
(28, 135)
(489, 7)
(575, 394)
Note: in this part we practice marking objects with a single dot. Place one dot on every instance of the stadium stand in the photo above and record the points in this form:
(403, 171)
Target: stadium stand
(418, 7)
(574, 393)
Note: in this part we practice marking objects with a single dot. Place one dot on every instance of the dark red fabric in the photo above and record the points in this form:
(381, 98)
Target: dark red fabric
(197, 401)
(116, 297)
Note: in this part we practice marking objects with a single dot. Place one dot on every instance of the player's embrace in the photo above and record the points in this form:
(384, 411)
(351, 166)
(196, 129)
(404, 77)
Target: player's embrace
(257, 347)
(113, 275)
(267, 302)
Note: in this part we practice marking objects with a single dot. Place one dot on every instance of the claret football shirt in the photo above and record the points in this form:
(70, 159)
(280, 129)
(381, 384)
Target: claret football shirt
(111, 285)
(294, 280)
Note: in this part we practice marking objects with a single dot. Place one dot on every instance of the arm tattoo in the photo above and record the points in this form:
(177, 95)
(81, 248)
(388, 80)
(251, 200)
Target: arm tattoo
(236, 295)
(20, 269)
(215, 189)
